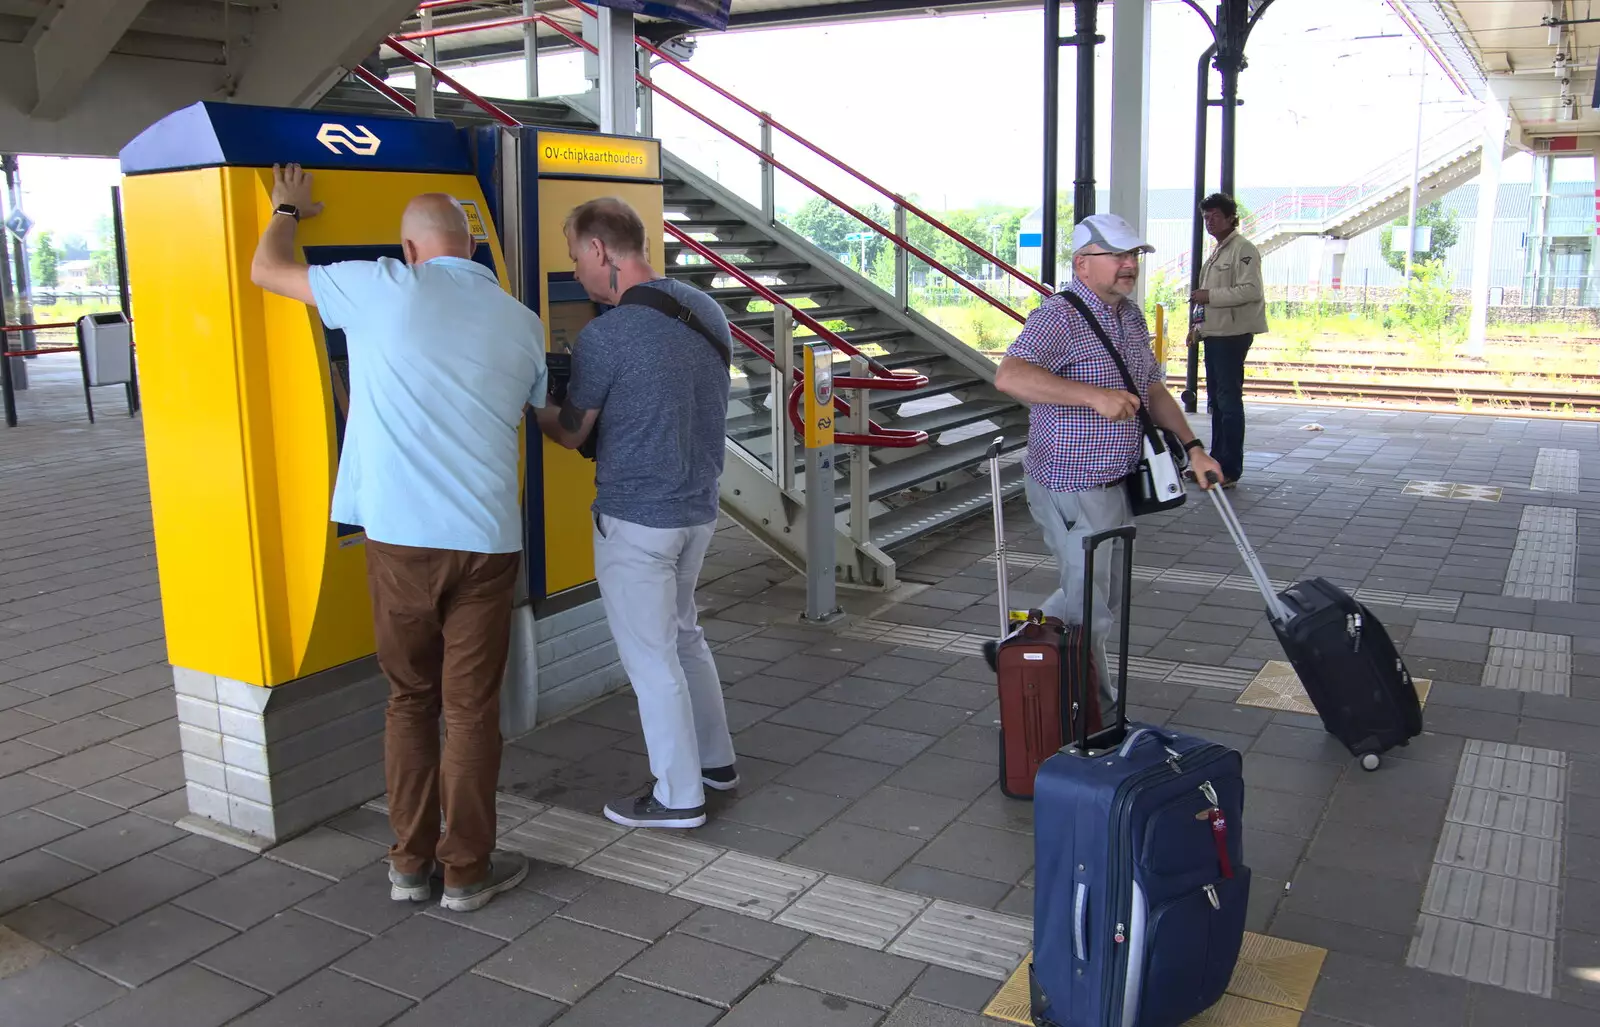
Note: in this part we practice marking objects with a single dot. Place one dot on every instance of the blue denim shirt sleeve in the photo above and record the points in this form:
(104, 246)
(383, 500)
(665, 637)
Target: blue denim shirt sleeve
(344, 289)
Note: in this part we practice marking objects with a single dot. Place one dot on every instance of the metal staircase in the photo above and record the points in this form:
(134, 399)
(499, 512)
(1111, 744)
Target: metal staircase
(887, 495)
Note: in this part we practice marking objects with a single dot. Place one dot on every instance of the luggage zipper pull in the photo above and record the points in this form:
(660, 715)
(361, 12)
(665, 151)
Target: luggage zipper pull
(1172, 760)
(1121, 936)
(1211, 893)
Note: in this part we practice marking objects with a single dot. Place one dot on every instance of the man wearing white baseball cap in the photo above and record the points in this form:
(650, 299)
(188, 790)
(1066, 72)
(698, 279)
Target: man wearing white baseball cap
(1085, 430)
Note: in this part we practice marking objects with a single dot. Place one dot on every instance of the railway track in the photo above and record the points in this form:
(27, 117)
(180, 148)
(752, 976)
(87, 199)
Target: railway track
(1565, 402)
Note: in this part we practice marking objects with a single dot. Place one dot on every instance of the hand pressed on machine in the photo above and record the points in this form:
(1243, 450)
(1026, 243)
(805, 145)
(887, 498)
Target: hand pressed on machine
(274, 267)
(291, 186)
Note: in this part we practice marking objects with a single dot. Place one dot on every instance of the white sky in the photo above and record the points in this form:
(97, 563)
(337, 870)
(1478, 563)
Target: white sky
(949, 109)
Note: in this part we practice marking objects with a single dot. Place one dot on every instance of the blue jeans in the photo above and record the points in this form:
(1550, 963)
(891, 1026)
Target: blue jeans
(1225, 356)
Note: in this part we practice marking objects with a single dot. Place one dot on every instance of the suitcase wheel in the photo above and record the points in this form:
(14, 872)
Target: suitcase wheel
(1370, 761)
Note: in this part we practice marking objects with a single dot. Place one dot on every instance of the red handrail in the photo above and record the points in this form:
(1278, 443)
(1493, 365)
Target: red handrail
(891, 438)
(831, 159)
(466, 94)
(395, 96)
(37, 328)
(475, 26)
(768, 158)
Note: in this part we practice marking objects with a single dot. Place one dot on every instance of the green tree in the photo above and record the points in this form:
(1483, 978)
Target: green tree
(829, 228)
(43, 262)
(102, 267)
(1445, 234)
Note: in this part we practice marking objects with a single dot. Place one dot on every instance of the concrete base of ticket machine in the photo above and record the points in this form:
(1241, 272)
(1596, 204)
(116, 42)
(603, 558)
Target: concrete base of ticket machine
(268, 618)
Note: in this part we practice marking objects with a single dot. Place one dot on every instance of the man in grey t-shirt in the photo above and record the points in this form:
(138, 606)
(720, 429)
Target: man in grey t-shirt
(658, 390)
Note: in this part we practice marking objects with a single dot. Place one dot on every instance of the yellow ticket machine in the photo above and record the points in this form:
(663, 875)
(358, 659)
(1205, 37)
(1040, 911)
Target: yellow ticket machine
(268, 618)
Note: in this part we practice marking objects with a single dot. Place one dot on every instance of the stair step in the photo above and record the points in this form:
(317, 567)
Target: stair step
(938, 385)
(956, 415)
(750, 267)
(927, 515)
(744, 292)
(839, 313)
(934, 462)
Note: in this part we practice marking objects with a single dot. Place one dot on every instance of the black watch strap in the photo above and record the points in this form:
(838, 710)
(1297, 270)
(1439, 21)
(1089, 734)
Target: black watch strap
(289, 209)
(1194, 443)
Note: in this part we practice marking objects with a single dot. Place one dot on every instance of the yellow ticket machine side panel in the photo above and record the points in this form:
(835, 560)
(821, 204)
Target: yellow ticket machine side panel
(569, 487)
(258, 584)
(192, 313)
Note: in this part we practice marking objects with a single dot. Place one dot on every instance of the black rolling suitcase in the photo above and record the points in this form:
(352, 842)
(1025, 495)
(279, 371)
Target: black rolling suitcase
(1342, 654)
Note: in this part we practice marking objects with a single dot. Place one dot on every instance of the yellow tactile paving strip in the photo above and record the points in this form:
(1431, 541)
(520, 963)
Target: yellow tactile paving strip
(1271, 987)
(1278, 687)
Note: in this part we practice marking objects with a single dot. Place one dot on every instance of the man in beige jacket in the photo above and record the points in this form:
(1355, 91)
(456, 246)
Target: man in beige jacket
(1233, 312)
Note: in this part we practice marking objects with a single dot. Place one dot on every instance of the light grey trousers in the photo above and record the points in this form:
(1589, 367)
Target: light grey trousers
(1067, 518)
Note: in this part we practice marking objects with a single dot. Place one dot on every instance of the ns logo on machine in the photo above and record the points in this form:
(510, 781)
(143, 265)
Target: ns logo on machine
(361, 142)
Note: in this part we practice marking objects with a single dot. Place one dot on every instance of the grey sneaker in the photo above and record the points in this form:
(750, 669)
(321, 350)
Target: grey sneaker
(646, 811)
(723, 779)
(417, 887)
(506, 871)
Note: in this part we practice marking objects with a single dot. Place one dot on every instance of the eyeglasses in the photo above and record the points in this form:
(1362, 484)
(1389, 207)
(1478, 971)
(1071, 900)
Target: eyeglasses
(1130, 257)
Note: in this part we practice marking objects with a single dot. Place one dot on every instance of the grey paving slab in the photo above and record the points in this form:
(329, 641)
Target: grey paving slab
(478, 1000)
(149, 945)
(1369, 993)
(954, 989)
(121, 791)
(510, 915)
(871, 978)
(914, 813)
(360, 902)
(697, 969)
(92, 765)
(979, 852)
(829, 774)
(815, 714)
(205, 854)
(747, 934)
(628, 910)
(187, 997)
(783, 1005)
(52, 993)
(785, 809)
(944, 884)
(418, 956)
(560, 959)
(328, 853)
(244, 897)
(28, 829)
(757, 841)
(882, 744)
(53, 924)
(864, 853)
(328, 997)
(131, 888)
(780, 744)
(624, 1003)
(18, 791)
(282, 951)
(79, 810)
(33, 875)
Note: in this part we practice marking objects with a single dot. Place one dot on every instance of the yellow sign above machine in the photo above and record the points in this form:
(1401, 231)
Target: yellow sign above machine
(596, 156)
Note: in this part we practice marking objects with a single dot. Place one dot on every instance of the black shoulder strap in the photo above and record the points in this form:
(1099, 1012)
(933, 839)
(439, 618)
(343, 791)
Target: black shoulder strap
(1105, 340)
(659, 300)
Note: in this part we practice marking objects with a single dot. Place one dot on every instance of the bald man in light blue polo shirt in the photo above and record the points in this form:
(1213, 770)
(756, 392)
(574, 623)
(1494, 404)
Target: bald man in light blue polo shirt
(443, 365)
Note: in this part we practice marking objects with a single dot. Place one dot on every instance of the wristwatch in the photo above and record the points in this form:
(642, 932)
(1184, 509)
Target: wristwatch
(289, 209)
(1194, 443)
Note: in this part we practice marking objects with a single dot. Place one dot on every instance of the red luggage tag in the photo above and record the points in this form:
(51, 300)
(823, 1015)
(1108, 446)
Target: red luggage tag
(1219, 829)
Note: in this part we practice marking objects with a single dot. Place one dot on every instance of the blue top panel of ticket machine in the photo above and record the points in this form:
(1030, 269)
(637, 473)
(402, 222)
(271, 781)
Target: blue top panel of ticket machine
(209, 134)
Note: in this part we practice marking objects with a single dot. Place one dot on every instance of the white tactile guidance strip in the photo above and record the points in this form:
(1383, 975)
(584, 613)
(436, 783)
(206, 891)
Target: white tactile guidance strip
(1544, 562)
(1556, 470)
(1489, 912)
(959, 937)
(1528, 661)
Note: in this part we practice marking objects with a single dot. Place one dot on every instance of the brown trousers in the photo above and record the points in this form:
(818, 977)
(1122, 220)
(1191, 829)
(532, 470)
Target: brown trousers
(443, 621)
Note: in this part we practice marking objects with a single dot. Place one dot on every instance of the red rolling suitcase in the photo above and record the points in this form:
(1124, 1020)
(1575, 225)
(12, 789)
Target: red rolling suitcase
(1037, 665)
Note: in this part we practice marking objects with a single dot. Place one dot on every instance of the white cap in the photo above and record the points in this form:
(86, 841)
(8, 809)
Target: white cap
(1110, 233)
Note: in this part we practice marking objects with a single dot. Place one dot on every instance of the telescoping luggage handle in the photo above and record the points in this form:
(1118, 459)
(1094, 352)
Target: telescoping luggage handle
(999, 533)
(1275, 608)
(1113, 735)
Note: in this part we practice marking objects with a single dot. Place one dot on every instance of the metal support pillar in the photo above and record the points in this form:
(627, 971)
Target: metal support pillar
(782, 382)
(644, 96)
(1052, 140)
(860, 456)
(821, 529)
(424, 77)
(1233, 29)
(1197, 237)
(21, 294)
(530, 49)
(1130, 117)
(1085, 39)
(769, 176)
(618, 94)
(902, 262)
(1495, 123)
(1416, 169)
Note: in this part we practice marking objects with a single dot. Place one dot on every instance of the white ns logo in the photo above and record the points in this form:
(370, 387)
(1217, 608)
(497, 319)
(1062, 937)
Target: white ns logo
(361, 142)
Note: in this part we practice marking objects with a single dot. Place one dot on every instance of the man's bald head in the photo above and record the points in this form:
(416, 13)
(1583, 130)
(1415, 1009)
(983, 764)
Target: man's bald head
(434, 225)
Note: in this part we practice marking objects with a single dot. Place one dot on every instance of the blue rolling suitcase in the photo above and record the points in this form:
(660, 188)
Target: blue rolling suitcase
(1141, 884)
